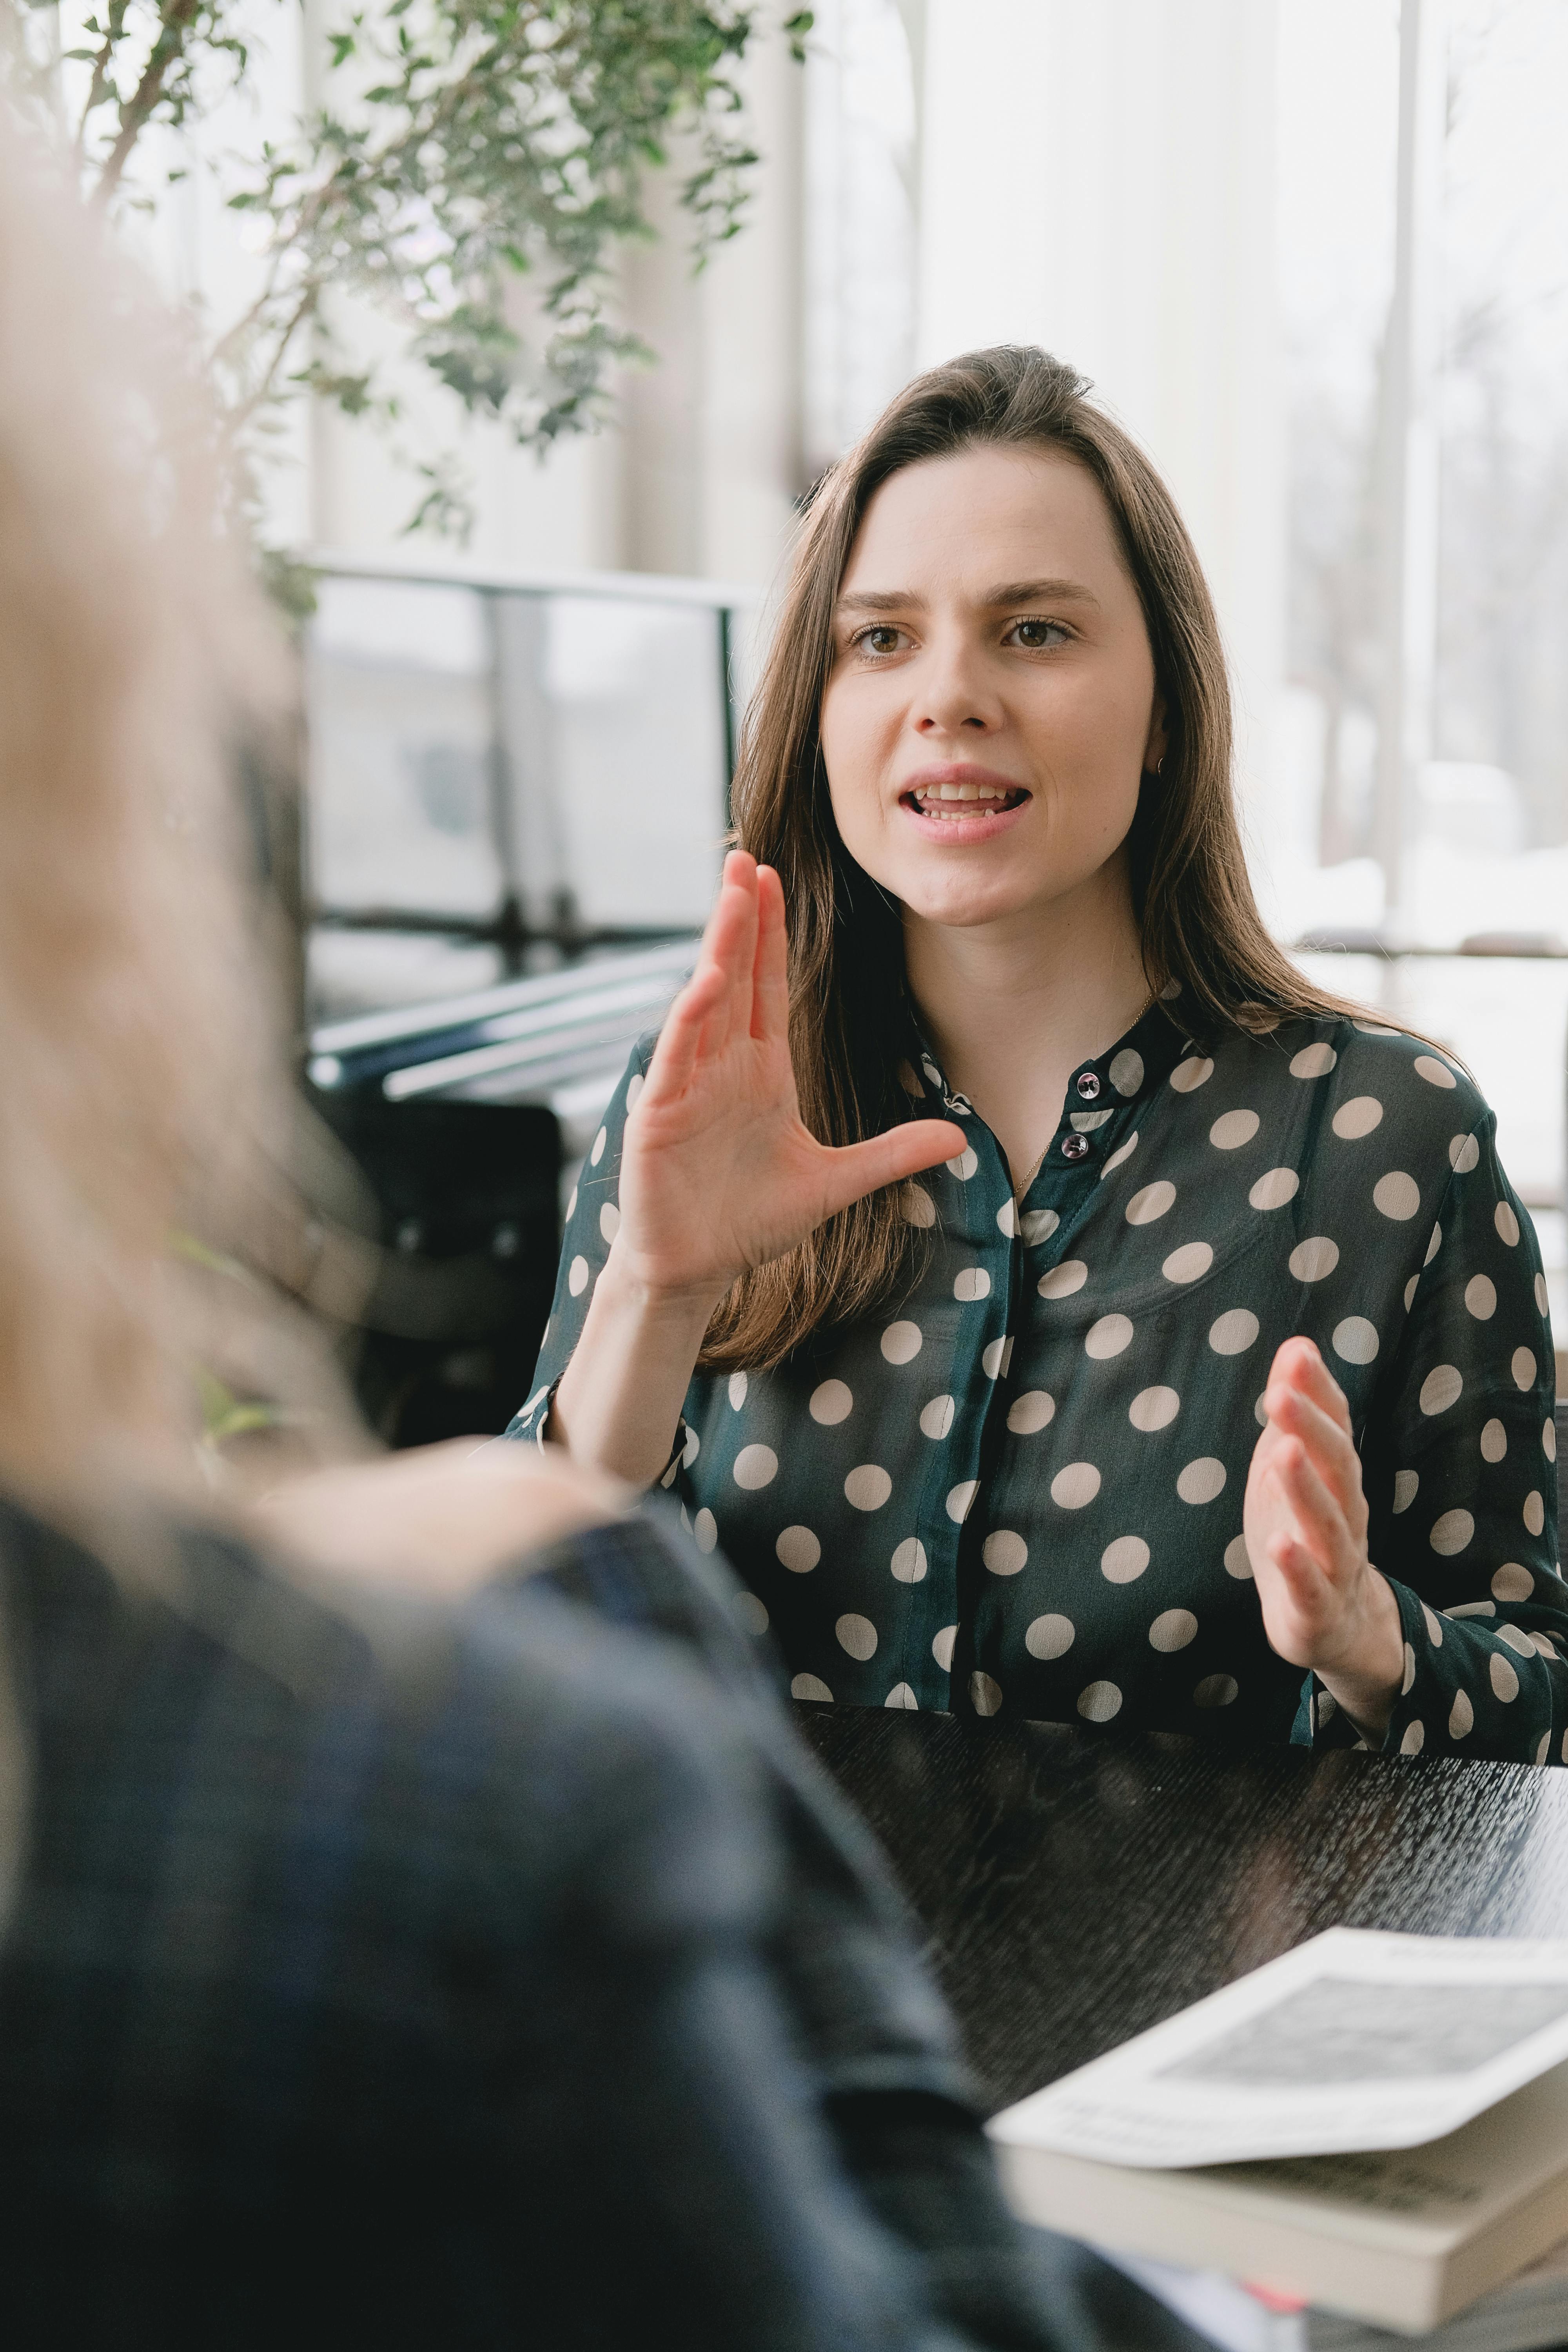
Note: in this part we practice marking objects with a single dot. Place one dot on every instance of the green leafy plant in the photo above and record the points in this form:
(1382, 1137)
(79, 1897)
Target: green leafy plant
(471, 172)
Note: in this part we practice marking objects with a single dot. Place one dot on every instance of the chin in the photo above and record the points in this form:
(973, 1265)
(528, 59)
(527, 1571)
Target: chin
(960, 902)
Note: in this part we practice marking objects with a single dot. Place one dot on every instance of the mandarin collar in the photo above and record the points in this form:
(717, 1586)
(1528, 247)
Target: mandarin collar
(1130, 1068)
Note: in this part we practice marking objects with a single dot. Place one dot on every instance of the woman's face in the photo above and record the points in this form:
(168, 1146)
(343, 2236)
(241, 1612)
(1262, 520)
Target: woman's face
(991, 706)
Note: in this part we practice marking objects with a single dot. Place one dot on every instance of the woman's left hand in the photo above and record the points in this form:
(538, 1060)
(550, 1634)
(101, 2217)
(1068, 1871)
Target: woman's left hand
(1324, 1604)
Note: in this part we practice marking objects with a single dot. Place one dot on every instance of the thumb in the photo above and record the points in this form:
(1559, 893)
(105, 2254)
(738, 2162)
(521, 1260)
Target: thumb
(854, 1169)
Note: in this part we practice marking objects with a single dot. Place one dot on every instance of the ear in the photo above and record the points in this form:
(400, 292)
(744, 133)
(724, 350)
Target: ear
(1158, 742)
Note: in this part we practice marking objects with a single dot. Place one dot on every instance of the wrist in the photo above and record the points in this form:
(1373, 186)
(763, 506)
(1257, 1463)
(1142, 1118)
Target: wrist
(1365, 1672)
(678, 1308)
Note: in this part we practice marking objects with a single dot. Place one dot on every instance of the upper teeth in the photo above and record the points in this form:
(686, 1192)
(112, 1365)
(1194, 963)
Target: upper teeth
(961, 793)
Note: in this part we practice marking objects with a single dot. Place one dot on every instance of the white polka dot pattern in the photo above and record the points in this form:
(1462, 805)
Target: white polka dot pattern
(1064, 1279)
(1201, 1481)
(868, 1486)
(1108, 1337)
(1047, 1426)
(1397, 1195)
(1004, 1552)
(936, 1418)
(1274, 1190)
(1124, 1561)
(1098, 1702)
(1443, 1387)
(799, 1550)
(857, 1635)
(1075, 1486)
(1232, 1333)
(1237, 1560)
(1357, 1117)
(830, 1403)
(1152, 1202)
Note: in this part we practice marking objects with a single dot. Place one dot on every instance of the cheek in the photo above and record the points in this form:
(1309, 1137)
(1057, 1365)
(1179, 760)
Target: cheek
(852, 731)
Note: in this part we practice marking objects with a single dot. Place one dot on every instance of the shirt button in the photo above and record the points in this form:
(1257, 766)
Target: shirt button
(1088, 1085)
(1075, 1147)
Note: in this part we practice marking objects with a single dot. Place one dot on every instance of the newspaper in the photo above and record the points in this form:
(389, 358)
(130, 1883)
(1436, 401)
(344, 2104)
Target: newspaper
(1355, 2040)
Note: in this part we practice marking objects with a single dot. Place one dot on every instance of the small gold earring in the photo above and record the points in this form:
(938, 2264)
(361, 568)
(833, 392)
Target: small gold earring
(1159, 765)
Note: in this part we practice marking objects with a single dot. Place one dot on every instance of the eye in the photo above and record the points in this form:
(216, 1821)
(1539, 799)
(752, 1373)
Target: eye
(881, 638)
(1036, 636)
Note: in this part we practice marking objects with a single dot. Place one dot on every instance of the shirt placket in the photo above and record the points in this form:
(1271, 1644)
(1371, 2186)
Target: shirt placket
(988, 1273)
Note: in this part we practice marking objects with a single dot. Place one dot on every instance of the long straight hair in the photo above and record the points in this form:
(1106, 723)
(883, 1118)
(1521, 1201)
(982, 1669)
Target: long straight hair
(1199, 922)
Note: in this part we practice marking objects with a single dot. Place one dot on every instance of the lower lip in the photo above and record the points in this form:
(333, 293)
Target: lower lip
(964, 832)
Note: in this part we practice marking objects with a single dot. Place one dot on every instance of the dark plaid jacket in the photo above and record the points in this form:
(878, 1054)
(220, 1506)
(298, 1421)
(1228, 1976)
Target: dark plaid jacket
(485, 1976)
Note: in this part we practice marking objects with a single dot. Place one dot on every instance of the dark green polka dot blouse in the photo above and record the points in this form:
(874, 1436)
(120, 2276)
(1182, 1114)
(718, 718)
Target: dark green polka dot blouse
(1019, 1490)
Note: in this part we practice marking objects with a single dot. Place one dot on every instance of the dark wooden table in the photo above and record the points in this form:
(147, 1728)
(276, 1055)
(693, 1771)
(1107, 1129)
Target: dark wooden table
(1078, 1886)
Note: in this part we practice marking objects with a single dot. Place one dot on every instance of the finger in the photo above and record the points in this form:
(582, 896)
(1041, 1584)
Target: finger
(1298, 1364)
(1320, 1523)
(1308, 1590)
(734, 932)
(856, 1168)
(683, 1038)
(1295, 1414)
(769, 988)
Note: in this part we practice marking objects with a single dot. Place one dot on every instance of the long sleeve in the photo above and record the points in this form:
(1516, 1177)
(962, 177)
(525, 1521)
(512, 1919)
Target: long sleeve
(1463, 1496)
(593, 1214)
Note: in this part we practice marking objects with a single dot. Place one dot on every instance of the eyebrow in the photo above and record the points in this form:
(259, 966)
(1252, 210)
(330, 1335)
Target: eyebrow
(1013, 591)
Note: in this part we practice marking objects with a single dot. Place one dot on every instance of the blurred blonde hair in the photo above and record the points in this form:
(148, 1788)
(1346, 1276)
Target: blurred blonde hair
(134, 1034)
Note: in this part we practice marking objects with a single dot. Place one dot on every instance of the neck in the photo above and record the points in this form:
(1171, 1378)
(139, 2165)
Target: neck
(1013, 1007)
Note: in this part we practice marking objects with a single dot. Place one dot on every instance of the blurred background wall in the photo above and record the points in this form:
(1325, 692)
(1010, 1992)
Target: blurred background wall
(1362, 408)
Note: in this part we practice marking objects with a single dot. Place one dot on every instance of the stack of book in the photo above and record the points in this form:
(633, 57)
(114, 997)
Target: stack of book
(1372, 2133)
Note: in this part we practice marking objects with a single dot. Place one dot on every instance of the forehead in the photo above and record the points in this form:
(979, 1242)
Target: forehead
(987, 515)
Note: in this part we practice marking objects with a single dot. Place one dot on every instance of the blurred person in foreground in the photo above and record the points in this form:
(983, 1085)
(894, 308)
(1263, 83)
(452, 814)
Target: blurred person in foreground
(393, 1943)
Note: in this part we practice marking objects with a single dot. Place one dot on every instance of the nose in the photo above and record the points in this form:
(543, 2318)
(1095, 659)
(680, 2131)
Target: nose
(952, 697)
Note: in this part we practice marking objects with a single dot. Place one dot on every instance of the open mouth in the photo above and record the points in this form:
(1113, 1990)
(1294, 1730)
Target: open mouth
(953, 803)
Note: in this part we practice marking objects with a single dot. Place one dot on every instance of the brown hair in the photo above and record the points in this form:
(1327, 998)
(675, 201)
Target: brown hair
(848, 1025)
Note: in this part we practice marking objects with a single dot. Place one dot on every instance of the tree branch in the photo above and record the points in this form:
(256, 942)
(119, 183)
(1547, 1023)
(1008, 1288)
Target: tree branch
(178, 21)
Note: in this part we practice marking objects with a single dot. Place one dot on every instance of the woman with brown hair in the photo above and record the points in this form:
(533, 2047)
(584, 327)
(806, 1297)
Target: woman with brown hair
(1050, 1301)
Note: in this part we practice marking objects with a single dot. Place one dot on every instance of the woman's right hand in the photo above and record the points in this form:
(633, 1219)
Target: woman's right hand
(718, 1172)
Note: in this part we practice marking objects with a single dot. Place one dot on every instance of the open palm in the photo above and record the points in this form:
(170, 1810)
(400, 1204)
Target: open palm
(718, 1171)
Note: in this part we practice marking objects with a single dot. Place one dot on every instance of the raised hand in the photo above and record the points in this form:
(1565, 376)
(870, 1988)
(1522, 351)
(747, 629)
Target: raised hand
(717, 1172)
(1324, 1604)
